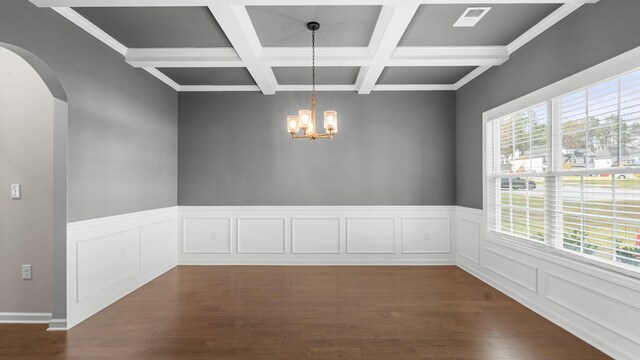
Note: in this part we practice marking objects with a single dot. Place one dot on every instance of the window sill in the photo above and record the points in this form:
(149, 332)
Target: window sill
(501, 239)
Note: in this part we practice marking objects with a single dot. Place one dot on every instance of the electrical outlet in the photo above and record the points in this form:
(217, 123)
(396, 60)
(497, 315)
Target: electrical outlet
(16, 191)
(427, 236)
(26, 272)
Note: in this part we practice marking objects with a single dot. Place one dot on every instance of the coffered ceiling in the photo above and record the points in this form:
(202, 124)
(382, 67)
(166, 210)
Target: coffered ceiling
(362, 45)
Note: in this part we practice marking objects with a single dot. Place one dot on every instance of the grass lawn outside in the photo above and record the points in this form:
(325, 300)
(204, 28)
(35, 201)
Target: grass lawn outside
(587, 226)
(631, 181)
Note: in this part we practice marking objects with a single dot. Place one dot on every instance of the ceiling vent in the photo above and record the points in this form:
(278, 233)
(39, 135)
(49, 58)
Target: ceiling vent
(471, 16)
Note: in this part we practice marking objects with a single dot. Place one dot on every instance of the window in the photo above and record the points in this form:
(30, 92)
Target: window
(565, 172)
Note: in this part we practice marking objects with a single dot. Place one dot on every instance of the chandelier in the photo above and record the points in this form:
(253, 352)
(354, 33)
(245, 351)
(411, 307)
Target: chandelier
(306, 119)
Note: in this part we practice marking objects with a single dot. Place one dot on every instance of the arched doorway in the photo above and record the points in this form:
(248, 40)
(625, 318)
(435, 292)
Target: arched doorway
(33, 153)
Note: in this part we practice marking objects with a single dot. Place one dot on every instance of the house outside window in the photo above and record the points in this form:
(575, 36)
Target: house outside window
(565, 173)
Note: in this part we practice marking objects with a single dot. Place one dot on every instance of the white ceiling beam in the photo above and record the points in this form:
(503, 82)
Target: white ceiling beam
(325, 56)
(448, 56)
(259, 60)
(318, 88)
(236, 24)
(183, 57)
(391, 25)
(307, 88)
(161, 3)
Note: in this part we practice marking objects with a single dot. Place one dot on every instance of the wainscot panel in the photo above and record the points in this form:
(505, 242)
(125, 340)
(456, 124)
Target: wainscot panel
(316, 235)
(108, 258)
(426, 235)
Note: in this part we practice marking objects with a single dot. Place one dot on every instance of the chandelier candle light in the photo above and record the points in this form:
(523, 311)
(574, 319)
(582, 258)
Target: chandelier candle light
(306, 119)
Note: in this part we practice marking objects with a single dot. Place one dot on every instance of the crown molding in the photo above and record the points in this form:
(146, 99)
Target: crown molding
(162, 77)
(92, 29)
(414, 87)
(217, 88)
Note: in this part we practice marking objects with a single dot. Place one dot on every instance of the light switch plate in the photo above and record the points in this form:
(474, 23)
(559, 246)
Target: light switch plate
(26, 272)
(16, 191)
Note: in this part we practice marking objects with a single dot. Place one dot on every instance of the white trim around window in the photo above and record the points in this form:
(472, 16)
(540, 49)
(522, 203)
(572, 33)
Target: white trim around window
(550, 234)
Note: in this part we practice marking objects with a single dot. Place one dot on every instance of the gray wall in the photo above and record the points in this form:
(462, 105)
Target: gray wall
(592, 34)
(26, 143)
(393, 148)
(122, 121)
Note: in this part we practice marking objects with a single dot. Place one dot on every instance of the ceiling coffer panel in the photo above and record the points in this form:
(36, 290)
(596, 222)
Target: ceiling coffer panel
(432, 25)
(286, 26)
(151, 27)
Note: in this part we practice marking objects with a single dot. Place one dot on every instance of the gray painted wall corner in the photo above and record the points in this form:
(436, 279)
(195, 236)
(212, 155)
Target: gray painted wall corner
(592, 34)
(122, 120)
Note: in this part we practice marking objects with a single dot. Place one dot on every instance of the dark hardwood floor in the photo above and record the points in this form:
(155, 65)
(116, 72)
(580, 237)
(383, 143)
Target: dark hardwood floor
(227, 312)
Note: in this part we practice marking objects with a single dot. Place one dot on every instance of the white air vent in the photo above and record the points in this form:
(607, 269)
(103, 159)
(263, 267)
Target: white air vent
(471, 16)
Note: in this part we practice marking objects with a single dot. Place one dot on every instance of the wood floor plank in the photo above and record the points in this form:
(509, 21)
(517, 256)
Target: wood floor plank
(262, 312)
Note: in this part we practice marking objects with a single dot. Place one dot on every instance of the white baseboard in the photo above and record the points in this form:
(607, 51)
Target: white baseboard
(320, 262)
(58, 325)
(523, 274)
(24, 318)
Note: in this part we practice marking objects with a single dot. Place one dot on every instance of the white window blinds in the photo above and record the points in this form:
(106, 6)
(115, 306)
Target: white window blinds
(520, 160)
(566, 172)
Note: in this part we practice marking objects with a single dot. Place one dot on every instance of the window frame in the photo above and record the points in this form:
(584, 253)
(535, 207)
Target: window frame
(614, 68)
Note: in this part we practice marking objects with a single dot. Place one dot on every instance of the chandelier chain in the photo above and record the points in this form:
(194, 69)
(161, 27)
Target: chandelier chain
(313, 63)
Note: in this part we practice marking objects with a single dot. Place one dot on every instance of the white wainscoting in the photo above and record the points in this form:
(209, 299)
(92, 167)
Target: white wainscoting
(107, 258)
(599, 306)
(316, 235)
(110, 257)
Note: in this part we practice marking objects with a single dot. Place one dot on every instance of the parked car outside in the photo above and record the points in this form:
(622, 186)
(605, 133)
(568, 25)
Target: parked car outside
(518, 183)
